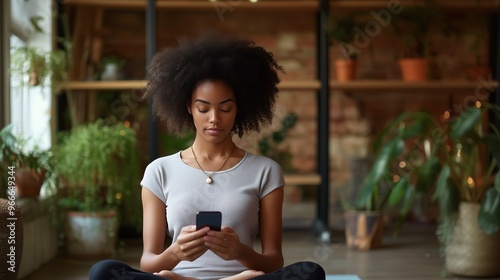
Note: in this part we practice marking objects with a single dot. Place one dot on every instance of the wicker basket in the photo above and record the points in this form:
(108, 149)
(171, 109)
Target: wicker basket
(11, 240)
(471, 251)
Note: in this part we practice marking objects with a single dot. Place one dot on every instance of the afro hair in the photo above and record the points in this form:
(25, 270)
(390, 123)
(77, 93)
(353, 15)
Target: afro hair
(249, 70)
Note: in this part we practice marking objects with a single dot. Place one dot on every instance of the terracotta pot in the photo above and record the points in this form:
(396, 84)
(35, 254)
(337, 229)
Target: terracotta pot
(28, 182)
(364, 230)
(413, 69)
(474, 72)
(346, 69)
(472, 252)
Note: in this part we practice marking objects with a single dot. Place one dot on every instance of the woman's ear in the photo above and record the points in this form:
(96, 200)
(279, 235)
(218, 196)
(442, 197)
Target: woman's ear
(189, 109)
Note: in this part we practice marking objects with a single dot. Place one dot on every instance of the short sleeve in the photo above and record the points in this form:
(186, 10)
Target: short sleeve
(273, 178)
(154, 179)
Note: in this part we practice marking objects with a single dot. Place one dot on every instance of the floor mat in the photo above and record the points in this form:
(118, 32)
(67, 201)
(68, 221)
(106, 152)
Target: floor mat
(342, 277)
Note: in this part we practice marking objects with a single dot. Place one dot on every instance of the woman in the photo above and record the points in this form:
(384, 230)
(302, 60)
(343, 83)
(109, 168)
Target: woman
(219, 87)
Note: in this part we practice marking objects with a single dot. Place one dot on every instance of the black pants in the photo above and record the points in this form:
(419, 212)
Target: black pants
(117, 270)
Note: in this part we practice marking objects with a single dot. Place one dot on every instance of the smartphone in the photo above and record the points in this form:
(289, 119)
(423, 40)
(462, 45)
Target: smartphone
(213, 219)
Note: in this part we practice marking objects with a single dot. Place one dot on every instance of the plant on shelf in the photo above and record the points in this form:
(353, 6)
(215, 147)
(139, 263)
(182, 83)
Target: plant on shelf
(98, 168)
(479, 36)
(342, 30)
(28, 166)
(414, 25)
(112, 68)
(37, 67)
(269, 144)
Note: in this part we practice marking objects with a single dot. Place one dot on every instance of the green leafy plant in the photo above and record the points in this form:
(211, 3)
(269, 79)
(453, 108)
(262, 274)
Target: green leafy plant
(268, 145)
(39, 67)
(468, 171)
(15, 153)
(454, 160)
(414, 24)
(341, 30)
(98, 167)
(405, 163)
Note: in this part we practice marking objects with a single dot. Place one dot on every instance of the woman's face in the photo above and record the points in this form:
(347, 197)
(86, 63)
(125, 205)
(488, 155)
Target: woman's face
(213, 106)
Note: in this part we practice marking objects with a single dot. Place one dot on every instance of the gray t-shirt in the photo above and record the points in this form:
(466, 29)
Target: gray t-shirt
(236, 192)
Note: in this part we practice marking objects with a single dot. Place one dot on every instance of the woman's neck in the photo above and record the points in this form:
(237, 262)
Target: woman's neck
(213, 151)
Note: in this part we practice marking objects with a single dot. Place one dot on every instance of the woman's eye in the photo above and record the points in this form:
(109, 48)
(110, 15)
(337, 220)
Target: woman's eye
(226, 110)
(202, 110)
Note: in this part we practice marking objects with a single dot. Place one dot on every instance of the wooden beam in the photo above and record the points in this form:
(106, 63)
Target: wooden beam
(204, 4)
(141, 84)
(486, 5)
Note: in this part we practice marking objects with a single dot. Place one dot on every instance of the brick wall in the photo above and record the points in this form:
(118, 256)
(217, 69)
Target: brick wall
(355, 117)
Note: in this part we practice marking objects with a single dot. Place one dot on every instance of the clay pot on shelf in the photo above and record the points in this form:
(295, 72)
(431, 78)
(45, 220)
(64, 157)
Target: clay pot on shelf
(474, 72)
(346, 69)
(413, 69)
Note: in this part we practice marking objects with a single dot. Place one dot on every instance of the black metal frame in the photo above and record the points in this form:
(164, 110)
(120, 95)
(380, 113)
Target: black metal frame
(150, 51)
(323, 100)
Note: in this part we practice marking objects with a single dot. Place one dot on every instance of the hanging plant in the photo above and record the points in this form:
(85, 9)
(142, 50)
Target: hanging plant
(36, 67)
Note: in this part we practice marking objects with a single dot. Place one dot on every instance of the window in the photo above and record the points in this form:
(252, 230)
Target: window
(29, 106)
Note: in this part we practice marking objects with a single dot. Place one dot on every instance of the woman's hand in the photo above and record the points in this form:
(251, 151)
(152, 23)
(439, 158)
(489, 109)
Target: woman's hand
(190, 243)
(225, 243)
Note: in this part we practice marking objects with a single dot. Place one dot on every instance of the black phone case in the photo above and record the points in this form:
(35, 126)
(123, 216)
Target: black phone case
(213, 219)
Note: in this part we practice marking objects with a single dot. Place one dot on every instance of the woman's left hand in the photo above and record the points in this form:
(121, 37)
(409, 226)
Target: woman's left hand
(225, 243)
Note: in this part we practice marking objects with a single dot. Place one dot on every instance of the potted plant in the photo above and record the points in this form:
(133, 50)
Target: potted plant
(456, 161)
(98, 167)
(478, 36)
(29, 166)
(269, 144)
(468, 193)
(404, 166)
(112, 68)
(414, 24)
(342, 31)
(38, 67)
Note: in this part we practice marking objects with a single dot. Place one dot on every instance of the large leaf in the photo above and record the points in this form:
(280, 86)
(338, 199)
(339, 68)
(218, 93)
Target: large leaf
(489, 212)
(417, 127)
(372, 182)
(496, 182)
(493, 143)
(398, 191)
(465, 122)
(428, 174)
(409, 196)
(446, 193)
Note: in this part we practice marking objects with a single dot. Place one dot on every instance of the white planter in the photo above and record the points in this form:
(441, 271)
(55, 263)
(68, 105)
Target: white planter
(91, 234)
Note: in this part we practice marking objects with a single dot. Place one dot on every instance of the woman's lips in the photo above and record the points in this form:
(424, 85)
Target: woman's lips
(214, 131)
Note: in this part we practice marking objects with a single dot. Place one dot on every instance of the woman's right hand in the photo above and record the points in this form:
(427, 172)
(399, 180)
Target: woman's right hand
(190, 243)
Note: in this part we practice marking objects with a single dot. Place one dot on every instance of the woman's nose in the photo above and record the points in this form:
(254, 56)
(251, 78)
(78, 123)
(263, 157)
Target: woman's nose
(214, 118)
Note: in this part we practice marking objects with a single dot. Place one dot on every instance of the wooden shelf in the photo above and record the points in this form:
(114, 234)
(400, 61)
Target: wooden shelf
(300, 5)
(141, 84)
(283, 5)
(302, 179)
(486, 5)
(357, 85)
(379, 85)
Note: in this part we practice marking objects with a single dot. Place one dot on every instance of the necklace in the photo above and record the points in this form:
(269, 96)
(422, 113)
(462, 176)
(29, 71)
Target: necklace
(209, 179)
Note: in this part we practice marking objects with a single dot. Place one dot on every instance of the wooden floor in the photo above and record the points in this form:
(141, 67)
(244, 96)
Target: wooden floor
(414, 255)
